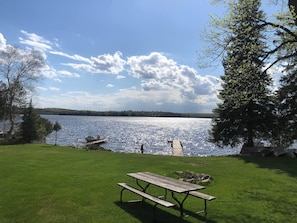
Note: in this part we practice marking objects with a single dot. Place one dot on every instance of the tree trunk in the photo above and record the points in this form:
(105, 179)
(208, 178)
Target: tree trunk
(56, 136)
(250, 125)
(11, 120)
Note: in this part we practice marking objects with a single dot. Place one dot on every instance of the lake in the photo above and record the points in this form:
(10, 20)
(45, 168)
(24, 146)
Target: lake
(126, 134)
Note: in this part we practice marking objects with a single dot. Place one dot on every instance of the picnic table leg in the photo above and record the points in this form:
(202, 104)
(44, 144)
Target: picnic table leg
(181, 203)
(121, 195)
(142, 187)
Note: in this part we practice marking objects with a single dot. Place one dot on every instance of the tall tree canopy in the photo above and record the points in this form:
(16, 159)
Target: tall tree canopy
(246, 112)
(19, 70)
(286, 48)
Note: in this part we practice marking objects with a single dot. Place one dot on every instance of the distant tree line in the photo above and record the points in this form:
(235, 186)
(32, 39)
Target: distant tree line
(59, 111)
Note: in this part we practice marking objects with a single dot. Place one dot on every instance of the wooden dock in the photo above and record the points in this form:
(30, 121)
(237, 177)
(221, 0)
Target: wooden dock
(177, 148)
(99, 141)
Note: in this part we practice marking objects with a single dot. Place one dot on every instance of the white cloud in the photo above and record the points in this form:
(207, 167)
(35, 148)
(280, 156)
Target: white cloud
(66, 73)
(164, 85)
(54, 89)
(36, 42)
(153, 85)
(73, 57)
(154, 65)
(46, 89)
(2, 42)
(58, 80)
(110, 85)
(119, 77)
(108, 63)
(79, 67)
(74, 100)
(160, 73)
(48, 71)
(132, 98)
(41, 88)
(102, 64)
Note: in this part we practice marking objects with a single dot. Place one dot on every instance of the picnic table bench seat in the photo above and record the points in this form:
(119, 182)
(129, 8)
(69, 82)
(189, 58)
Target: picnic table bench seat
(150, 197)
(203, 196)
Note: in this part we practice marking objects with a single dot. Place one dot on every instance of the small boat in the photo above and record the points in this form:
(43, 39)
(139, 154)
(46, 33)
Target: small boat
(94, 143)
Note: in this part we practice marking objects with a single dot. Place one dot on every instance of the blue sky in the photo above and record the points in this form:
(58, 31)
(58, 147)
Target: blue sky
(116, 54)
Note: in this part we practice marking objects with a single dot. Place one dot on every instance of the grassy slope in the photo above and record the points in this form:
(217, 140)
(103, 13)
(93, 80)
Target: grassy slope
(44, 183)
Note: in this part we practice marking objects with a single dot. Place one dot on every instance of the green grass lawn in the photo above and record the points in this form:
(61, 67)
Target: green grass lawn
(45, 183)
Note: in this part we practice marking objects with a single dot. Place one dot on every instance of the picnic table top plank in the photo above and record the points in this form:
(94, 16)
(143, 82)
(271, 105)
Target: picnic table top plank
(179, 183)
(165, 182)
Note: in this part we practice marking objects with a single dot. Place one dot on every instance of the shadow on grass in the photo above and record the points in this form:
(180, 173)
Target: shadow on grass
(145, 213)
(283, 164)
(201, 216)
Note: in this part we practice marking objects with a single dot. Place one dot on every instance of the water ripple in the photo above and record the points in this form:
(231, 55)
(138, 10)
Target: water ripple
(126, 134)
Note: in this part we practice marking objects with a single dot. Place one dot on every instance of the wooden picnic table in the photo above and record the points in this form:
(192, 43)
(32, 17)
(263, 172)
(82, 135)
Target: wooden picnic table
(170, 184)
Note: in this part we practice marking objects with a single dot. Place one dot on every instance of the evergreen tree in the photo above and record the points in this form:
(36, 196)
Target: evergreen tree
(285, 48)
(246, 111)
(286, 132)
(33, 126)
(28, 126)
